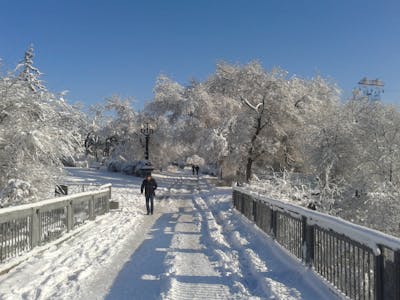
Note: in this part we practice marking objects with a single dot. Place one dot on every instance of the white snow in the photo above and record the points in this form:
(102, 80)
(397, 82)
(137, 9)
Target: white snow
(194, 247)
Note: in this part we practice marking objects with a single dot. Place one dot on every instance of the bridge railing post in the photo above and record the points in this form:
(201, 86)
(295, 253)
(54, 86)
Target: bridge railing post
(107, 205)
(308, 242)
(397, 274)
(70, 216)
(254, 213)
(242, 204)
(92, 214)
(379, 275)
(108, 199)
(35, 228)
(274, 223)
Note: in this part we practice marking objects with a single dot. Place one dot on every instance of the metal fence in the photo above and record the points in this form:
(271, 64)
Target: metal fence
(359, 262)
(75, 188)
(25, 226)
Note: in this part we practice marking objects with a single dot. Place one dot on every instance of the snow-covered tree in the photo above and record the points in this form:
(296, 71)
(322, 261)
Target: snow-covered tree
(244, 120)
(169, 99)
(37, 131)
(114, 130)
(190, 121)
(29, 73)
(272, 107)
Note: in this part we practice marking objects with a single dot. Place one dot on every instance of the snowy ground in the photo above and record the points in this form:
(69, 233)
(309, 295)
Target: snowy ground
(194, 247)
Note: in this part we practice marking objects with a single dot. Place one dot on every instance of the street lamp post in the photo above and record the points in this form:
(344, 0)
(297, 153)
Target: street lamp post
(146, 131)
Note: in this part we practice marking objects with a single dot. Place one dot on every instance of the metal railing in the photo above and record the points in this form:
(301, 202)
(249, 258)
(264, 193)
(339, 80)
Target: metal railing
(359, 262)
(26, 226)
(75, 188)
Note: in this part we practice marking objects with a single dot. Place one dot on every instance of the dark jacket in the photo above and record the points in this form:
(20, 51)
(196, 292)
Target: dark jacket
(149, 187)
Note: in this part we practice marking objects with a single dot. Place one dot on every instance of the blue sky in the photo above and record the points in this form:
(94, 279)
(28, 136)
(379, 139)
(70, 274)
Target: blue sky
(99, 48)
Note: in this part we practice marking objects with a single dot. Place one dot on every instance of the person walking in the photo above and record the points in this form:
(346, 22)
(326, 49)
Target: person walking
(149, 185)
(197, 169)
(193, 169)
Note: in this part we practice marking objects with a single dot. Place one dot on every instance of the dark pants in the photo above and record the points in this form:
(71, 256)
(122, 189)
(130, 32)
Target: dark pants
(149, 203)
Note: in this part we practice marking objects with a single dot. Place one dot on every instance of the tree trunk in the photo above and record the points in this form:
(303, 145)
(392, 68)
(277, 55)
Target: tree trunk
(260, 111)
(248, 168)
(250, 158)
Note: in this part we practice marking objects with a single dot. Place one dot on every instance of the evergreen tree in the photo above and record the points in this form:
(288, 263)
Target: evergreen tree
(30, 74)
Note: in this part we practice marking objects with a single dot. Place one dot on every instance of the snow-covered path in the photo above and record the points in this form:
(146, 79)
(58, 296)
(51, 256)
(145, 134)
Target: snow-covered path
(194, 247)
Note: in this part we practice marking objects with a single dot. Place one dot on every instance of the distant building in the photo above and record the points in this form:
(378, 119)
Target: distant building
(369, 88)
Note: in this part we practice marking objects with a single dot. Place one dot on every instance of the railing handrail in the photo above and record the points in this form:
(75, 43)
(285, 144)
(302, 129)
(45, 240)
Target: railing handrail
(23, 207)
(364, 235)
(105, 186)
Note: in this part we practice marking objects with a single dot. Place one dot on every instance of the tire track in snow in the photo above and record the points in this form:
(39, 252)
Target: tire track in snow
(228, 257)
(191, 273)
(272, 271)
(196, 268)
(247, 261)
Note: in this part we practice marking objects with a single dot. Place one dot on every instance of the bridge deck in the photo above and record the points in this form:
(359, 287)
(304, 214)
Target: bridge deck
(194, 247)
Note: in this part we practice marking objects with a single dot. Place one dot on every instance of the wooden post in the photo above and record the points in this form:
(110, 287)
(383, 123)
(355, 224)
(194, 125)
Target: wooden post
(35, 230)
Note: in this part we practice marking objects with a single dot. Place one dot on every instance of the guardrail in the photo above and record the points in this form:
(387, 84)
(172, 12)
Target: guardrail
(74, 188)
(24, 227)
(359, 262)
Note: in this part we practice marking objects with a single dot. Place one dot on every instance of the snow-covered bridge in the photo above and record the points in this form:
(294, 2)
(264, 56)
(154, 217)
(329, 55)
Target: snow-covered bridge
(195, 246)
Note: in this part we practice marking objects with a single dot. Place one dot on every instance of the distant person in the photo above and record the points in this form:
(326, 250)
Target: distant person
(149, 185)
(193, 169)
(197, 170)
